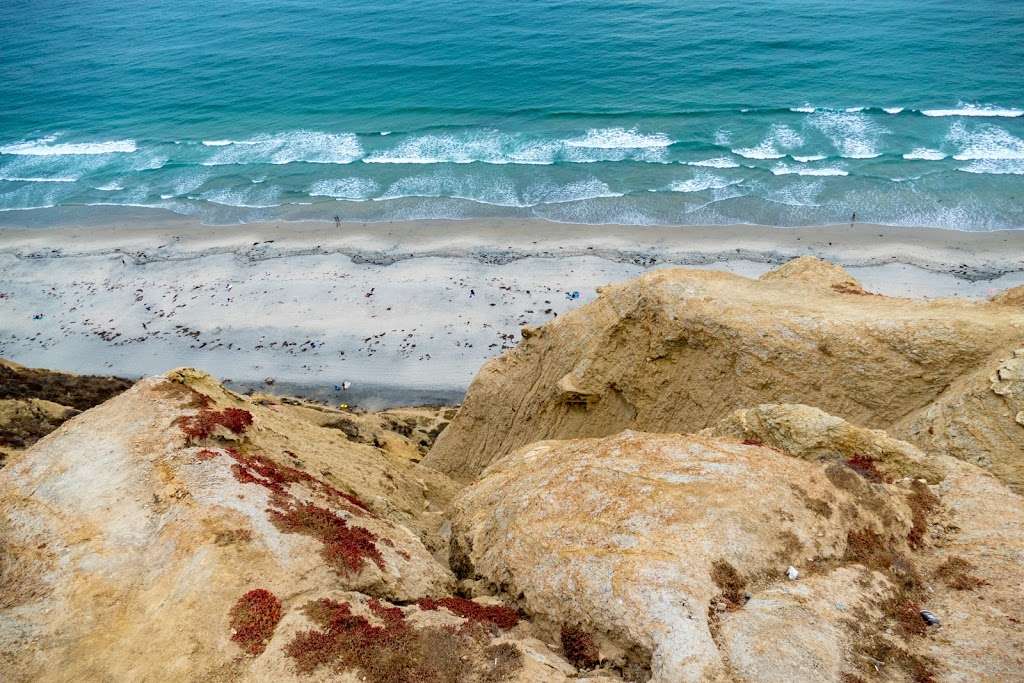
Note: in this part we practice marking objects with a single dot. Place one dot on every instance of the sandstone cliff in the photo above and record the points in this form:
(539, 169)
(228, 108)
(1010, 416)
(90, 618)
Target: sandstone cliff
(698, 477)
(676, 350)
(182, 532)
(669, 554)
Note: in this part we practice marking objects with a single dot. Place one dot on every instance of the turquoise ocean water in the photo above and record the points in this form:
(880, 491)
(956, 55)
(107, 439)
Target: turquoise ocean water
(784, 112)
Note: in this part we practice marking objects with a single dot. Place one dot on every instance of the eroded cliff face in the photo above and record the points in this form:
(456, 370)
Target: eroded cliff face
(676, 350)
(775, 480)
(182, 532)
(669, 553)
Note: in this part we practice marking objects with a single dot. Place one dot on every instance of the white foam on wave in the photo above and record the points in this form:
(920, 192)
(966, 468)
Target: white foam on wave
(963, 109)
(924, 154)
(344, 188)
(808, 158)
(499, 192)
(717, 162)
(995, 167)
(246, 198)
(495, 191)
(577, 191)
(495, 147)
(487, 146)
(984, 141)
(799, 193)
(702, 181)
(619, 138)
(220, 143)
(780, 138)
(47, 147)
(32, 179)
(295, 146)
(186, 181)
(112, 186)
(806, 109)
(853, 134)
(892, 110)
(782, 169)
(854, 110)
(27, 208)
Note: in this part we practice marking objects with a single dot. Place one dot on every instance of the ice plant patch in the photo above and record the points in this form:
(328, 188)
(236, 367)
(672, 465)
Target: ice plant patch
(388, 648)
(499, 615)
(579, 647)
(205, 422)
(346, 547)
(865, 467)
(253, 620)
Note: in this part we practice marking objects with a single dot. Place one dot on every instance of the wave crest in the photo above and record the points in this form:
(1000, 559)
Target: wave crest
(47, 147)
(963, 109)
(284, 148)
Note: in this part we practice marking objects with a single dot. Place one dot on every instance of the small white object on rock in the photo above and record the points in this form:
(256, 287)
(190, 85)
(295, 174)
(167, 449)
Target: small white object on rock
(792, 573)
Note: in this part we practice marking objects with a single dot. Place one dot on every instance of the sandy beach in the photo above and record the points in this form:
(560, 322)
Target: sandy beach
(405, 312)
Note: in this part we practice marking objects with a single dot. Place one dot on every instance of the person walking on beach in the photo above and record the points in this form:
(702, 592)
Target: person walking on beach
(337, 221)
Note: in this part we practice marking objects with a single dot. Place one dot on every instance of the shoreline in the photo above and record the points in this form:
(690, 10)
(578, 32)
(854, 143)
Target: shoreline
(401, 310)
(974, 256)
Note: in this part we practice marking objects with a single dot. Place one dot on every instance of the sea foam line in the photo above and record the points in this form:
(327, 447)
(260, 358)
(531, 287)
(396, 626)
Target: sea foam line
(975, 110)
(924, 154)
(30, 179)
(45, 147)
(782, 169)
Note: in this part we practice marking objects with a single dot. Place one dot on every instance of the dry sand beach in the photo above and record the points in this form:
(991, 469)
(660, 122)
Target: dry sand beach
(406, 312)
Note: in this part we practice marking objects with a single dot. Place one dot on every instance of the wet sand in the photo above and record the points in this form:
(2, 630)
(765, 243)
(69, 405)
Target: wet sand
(400, 310)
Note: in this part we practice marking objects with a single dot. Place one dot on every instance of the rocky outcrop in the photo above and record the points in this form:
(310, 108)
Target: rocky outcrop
(670, 553)
(182, 532)
(978, 418)
(77, 391)
(676, 350)
(34, 402)
(25, 421)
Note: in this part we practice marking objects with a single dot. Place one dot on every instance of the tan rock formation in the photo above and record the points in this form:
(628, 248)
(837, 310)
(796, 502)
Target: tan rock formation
(671, 551)
(677, 349)
(979, 418)
(181, 532)
(34, 402)
(25, 421)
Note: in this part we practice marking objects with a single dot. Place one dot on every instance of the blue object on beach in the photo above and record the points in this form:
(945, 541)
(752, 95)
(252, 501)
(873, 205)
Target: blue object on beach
(572, 296)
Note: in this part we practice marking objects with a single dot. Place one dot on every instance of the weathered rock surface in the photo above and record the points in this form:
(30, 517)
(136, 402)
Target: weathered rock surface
(670, 552)
(182, 532)
(979, 418)
(25, 421)
(34, 402)
(676, 350)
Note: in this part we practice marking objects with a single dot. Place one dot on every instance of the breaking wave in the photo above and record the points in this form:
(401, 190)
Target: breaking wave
(47, 146)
